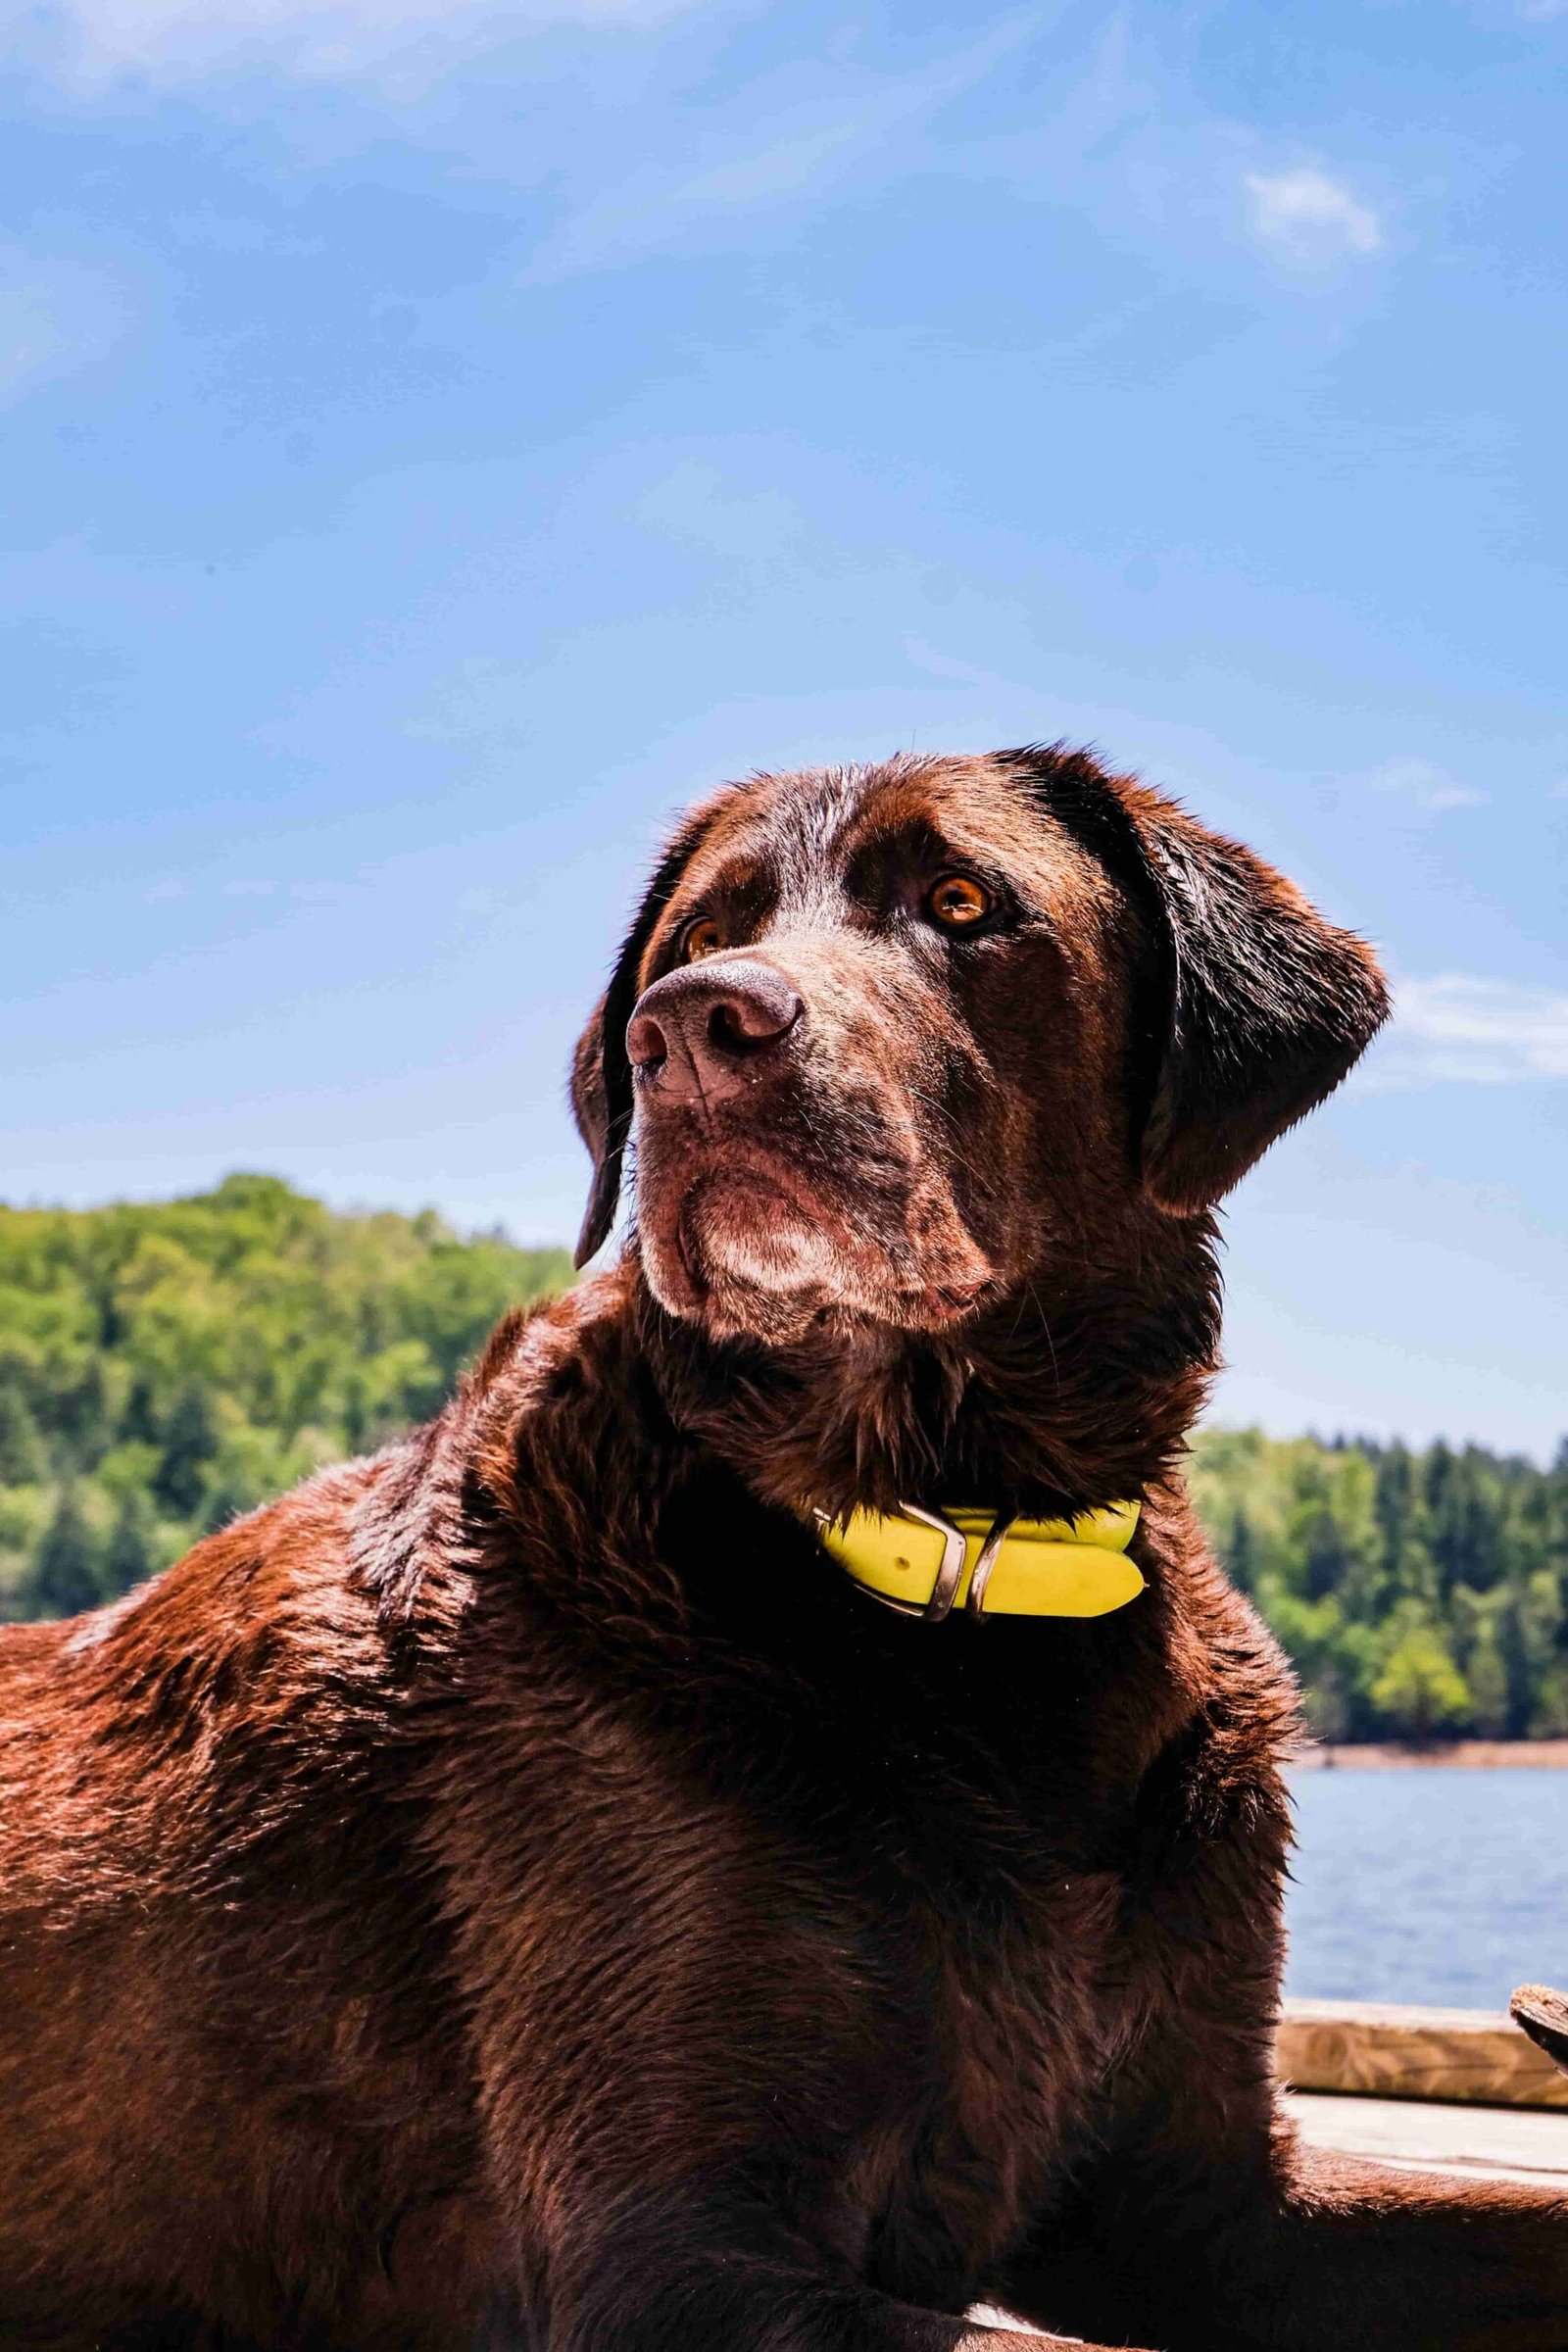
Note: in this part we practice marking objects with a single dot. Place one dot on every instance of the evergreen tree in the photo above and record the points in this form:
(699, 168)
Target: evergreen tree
(63, 1580)
(129, 1557)
(179, 1481)
(1549, 1718)
(1326, 1555)
(138, 1423)
(80, 1416)
(1328, 1702)
(1242, 1557)
(1488, 1679)
(23, 1456)
(1393, 1501)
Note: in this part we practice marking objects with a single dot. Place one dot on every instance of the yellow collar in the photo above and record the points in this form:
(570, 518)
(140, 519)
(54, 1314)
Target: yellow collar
(925, 1564)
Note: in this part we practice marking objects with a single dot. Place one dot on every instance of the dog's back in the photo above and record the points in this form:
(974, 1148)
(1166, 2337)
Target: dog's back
(224, 2053)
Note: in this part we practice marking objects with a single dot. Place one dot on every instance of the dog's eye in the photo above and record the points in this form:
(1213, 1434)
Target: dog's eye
(701, 937)
(958, 901)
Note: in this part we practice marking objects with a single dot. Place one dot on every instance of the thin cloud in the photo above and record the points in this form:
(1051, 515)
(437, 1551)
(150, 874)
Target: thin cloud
(32, 342)
(795, 156)
(1458, 1028)
(94, 41)
(55, 316)
(657, 208)
(1426, 785)
(1305, 216)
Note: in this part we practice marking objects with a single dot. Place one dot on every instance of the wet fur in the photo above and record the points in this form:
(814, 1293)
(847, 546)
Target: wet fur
(515, 1891)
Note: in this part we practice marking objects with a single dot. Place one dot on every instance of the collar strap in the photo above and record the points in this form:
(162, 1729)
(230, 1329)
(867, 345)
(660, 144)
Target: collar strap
(928, 1563)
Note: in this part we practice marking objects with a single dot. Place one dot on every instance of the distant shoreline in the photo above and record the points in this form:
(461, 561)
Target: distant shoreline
(1457, 1754)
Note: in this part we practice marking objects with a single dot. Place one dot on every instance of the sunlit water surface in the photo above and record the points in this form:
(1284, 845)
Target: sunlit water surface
(1429, 1884)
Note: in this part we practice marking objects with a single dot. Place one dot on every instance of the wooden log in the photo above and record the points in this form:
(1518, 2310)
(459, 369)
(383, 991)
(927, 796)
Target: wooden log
(1469, 2057)
(1543, 2013)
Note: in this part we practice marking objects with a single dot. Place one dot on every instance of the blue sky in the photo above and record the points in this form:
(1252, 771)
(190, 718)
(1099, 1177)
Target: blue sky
(442, 437)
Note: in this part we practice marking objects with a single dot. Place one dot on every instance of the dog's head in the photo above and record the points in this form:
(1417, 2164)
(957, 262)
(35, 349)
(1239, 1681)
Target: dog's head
(892, 1043)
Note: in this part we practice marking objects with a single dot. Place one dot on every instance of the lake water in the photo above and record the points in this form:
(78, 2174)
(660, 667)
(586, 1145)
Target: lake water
(1429, 1884)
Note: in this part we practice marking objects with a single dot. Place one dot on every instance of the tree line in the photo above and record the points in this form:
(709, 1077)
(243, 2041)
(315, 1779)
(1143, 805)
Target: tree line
(165, 1367)
(1420, 1593)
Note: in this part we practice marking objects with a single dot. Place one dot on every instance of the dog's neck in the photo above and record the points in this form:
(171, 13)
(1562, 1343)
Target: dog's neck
(1047, 1404)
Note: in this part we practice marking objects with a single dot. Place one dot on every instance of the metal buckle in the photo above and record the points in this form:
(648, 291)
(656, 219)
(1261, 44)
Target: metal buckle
(975, 1604)
(948, 1574)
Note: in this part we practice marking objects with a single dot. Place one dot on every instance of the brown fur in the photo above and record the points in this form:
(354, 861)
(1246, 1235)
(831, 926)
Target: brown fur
(516, 1892)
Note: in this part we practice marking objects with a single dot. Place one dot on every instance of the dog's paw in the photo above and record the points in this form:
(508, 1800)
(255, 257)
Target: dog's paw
(1544, 2015)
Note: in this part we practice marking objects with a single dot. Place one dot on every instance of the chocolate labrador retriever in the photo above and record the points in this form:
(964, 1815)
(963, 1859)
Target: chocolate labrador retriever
(762, 1827)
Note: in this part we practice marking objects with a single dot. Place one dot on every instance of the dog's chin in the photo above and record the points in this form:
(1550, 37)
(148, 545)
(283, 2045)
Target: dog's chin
(747, 1259)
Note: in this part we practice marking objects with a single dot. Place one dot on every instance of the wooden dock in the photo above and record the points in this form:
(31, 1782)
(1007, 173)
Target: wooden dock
(1449, 2089)
(1496, 2143)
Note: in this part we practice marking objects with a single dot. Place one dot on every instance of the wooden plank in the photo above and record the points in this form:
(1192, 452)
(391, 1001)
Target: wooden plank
(1496, 2143)
(1461, 2056)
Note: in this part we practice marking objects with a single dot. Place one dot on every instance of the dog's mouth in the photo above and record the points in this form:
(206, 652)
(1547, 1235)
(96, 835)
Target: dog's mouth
(748, 1249)
(752, 1252)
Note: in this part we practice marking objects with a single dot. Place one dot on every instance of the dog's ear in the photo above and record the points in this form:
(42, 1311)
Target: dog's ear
(601, 1074)
(589, 1108)
(1256, 1007)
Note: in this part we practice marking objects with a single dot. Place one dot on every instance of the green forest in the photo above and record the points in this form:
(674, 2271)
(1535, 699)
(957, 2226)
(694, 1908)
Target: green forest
(1422, 1595)
(165, 1366)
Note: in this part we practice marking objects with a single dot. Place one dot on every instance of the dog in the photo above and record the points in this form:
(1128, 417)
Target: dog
(762, 1827)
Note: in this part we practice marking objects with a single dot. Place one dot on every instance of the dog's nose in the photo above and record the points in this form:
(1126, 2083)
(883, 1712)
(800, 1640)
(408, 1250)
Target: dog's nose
(706, 1032)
